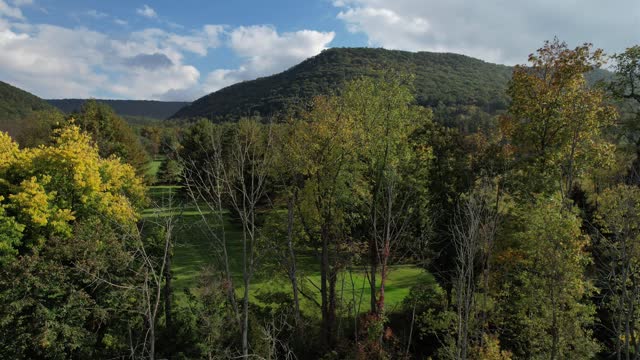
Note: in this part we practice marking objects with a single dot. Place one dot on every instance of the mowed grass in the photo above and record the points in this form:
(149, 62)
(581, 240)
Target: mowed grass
(195, 250)
(154, 167)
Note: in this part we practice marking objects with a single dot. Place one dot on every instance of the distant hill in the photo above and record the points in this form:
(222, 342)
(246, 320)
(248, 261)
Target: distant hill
(18, 107)
(126, 108)
(445, 78)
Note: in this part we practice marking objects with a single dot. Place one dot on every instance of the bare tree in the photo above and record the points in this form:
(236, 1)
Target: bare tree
(233, 172)
(473, 232)
(390, 224)
(165, 217)
(204, 184)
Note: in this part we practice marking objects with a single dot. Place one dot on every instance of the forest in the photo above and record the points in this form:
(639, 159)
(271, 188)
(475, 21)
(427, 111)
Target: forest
(492, 214)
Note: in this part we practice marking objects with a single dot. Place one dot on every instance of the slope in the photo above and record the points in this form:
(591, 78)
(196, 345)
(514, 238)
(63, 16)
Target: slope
(16, 104)
(439, 78)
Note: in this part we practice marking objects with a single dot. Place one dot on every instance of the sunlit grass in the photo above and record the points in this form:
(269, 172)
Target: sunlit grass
(195, 249)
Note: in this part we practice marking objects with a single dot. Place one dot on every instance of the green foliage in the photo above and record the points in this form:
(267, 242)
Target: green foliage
(170, 172)
(618, 214)
(112, 134)
(439, 78)
(25, 116)
(625, 87)
(67, 216)
(543, 297)
(135, 110)
(38, 127)
(555, 119)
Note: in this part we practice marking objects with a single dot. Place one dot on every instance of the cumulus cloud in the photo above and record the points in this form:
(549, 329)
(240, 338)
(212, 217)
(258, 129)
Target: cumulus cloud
(493, 30)
(266, 52)
(149, 61)
(153, 63)
(120, 22)
(10, 11)
(57, 62)
(147, 11)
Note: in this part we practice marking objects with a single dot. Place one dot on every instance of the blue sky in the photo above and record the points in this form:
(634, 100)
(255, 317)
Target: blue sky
(180, 50)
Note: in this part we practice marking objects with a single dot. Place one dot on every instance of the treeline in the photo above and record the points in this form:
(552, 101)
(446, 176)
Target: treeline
(527, 219)
(159, 110)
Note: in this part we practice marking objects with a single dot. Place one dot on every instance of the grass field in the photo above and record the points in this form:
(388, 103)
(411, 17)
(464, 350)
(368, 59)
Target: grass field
(194, 250)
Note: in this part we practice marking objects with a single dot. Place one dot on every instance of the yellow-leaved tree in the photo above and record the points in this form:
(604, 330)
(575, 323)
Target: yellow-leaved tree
(67, 217)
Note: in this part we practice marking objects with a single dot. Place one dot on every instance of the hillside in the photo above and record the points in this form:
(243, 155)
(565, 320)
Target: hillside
(439, 78)
(127, 108)
(19, 108)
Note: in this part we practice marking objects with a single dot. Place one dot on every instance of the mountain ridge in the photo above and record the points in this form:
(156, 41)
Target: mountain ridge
(153, 109)
(439, 78)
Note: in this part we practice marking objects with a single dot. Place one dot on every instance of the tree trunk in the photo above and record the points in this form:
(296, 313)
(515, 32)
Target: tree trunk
(373, 258)
(331, 325)
(245, 298)
(292, 258)
(168, 292)
(555, 334)
(324, 270)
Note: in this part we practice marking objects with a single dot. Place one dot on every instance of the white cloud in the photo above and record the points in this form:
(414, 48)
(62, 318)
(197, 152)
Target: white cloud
(97, 14)
(147, 11)
(408, 32)
(153, 63)
(493, 30)
(266, 52)
(120, 22)
(58, 62)
(9, 11)
(20, 3)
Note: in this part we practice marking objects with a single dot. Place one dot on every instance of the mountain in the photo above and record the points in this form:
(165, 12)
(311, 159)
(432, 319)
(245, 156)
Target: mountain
(126, 108)
(16, 103)
(440, 78)
(19, 109)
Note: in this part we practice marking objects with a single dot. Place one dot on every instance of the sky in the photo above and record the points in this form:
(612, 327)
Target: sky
(183, 49)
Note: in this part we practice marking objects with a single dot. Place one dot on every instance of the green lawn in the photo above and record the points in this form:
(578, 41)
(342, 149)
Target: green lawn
(194, 250)
(154, 167)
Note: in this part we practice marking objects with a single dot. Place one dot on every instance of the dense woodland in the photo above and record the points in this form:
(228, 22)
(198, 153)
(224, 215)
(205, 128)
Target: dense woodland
(126, 108)
(375, 218)
(439, 79)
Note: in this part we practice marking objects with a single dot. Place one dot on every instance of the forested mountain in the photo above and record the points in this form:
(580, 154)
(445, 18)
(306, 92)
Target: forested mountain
(439, 78)
(16, 105)
(126, 108)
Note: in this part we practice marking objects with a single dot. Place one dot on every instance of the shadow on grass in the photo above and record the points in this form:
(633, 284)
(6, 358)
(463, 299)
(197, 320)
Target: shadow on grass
(194, 250)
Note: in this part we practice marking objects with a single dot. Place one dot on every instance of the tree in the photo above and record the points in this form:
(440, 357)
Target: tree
(112, 134)
(382, 109)
(68, 213)
(543, 303)
(555, 119)
(170, 172)
(474, 233)
(37, 127)
(626, 82)
(234, 171)
(202, 163)
(326, 148)
(619, 215)
(625, 87)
